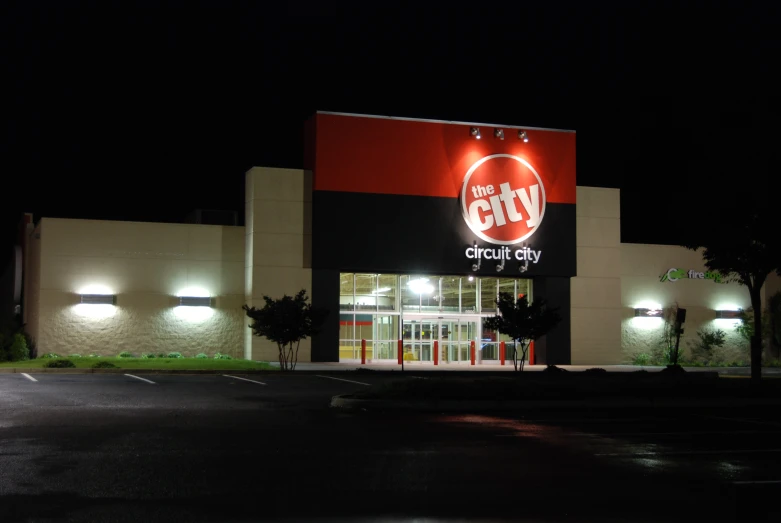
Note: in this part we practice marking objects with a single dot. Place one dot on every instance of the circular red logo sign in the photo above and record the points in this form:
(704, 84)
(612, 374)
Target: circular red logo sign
(503, 199)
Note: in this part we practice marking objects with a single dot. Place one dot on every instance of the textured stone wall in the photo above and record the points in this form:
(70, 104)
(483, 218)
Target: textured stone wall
(138, 324)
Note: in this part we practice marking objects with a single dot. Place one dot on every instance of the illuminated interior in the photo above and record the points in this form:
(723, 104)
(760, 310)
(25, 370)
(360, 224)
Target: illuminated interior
(421, 310)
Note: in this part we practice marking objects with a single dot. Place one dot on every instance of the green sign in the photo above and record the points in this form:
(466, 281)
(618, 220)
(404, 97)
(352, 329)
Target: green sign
(680, 274)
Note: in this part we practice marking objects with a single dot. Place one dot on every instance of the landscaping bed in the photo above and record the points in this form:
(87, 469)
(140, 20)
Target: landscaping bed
(543, 386)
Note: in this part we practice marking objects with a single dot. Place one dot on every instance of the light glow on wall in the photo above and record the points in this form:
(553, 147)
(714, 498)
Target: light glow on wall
(93, 311)
(193, 314)
(95, 289)
(199, 292)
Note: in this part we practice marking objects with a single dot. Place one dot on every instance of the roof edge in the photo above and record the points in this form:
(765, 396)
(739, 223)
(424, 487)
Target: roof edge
(451, 122)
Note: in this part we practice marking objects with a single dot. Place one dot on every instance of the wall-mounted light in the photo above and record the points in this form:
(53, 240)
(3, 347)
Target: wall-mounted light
(648, 313)
(474, 132)
(99, 299)
(523, 136)
(728, 315)
(499, 133)
(196, 301)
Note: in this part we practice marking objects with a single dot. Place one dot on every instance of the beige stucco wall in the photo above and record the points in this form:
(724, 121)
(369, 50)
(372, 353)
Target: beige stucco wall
(146, 265)
(642, 267)
(278, 245)
(596, 290)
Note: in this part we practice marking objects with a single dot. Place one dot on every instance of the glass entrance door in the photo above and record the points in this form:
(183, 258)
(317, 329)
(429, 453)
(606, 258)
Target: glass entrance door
(454, 335)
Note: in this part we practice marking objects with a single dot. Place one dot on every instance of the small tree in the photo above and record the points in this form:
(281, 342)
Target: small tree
(670, 342)
(522, 321)
(746, 249)
(286, 321)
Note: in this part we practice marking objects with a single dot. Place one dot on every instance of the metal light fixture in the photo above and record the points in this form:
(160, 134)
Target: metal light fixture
(474, 131)
(523, 136)
(195, 301)
(99, 299)
(476, 266)
(499, 133)
(728, 315)
(648, 313)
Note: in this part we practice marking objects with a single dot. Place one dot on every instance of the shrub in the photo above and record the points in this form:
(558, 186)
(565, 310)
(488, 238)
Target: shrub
(707, 341)
(74, 356)
(595, 370)
(161, 355)
(103, 365)
(49, 355)
(553, 369)
(202, 356)
(641, 359)
(174, 355)
(220, 356)
(18, 350)
(93, 356)
(147, 356)
(59, 363)
(124, 354)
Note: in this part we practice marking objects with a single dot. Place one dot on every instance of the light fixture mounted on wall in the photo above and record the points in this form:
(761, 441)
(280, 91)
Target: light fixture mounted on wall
(648, 313)
(499, 133)
(728, 315)
(196, 301)
(475, 132)
(99, 299)
(476, 266)
(523, 136)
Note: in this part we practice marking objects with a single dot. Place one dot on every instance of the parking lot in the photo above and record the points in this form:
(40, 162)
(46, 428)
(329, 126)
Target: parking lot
(121, 447)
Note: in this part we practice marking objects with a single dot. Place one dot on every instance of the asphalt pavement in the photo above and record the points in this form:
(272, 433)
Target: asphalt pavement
(191, 448)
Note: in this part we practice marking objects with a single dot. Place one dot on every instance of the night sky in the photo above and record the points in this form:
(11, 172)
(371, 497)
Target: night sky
(146, 111)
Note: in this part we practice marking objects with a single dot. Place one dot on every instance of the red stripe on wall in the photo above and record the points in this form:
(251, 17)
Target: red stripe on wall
(415, 158)
(358, 323)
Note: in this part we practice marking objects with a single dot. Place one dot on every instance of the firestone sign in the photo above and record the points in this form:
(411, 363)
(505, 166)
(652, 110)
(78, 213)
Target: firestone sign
(678, 274)
(503, 202)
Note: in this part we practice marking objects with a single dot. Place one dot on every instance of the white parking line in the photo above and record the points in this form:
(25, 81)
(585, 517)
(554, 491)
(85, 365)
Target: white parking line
(766, 482)
(28, 376)
(245, 379)
(142, 379)
(340, 379)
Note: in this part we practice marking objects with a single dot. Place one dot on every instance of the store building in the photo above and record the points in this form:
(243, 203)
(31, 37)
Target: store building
(403, 229)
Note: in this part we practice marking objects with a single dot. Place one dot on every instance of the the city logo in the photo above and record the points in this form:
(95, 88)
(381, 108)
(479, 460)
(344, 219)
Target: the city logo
(503, 199)
(679, 274)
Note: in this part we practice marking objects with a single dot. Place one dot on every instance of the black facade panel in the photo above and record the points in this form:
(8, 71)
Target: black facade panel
(325, 293)
(556, 347)
(354, 232)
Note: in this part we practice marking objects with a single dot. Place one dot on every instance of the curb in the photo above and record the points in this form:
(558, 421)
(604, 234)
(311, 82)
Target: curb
(347, 402)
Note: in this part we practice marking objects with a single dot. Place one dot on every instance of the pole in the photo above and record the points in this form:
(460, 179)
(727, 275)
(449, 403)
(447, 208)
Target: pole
(363, 352)
(502, 353)
(472, 352)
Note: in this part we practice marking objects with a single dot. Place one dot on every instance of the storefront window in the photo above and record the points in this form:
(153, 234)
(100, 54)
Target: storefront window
(387, 291)
(346, 285)
(366, 292)
(420, 293)
(368, 312)
(469, 295)
(449, 298)
(488, 295)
